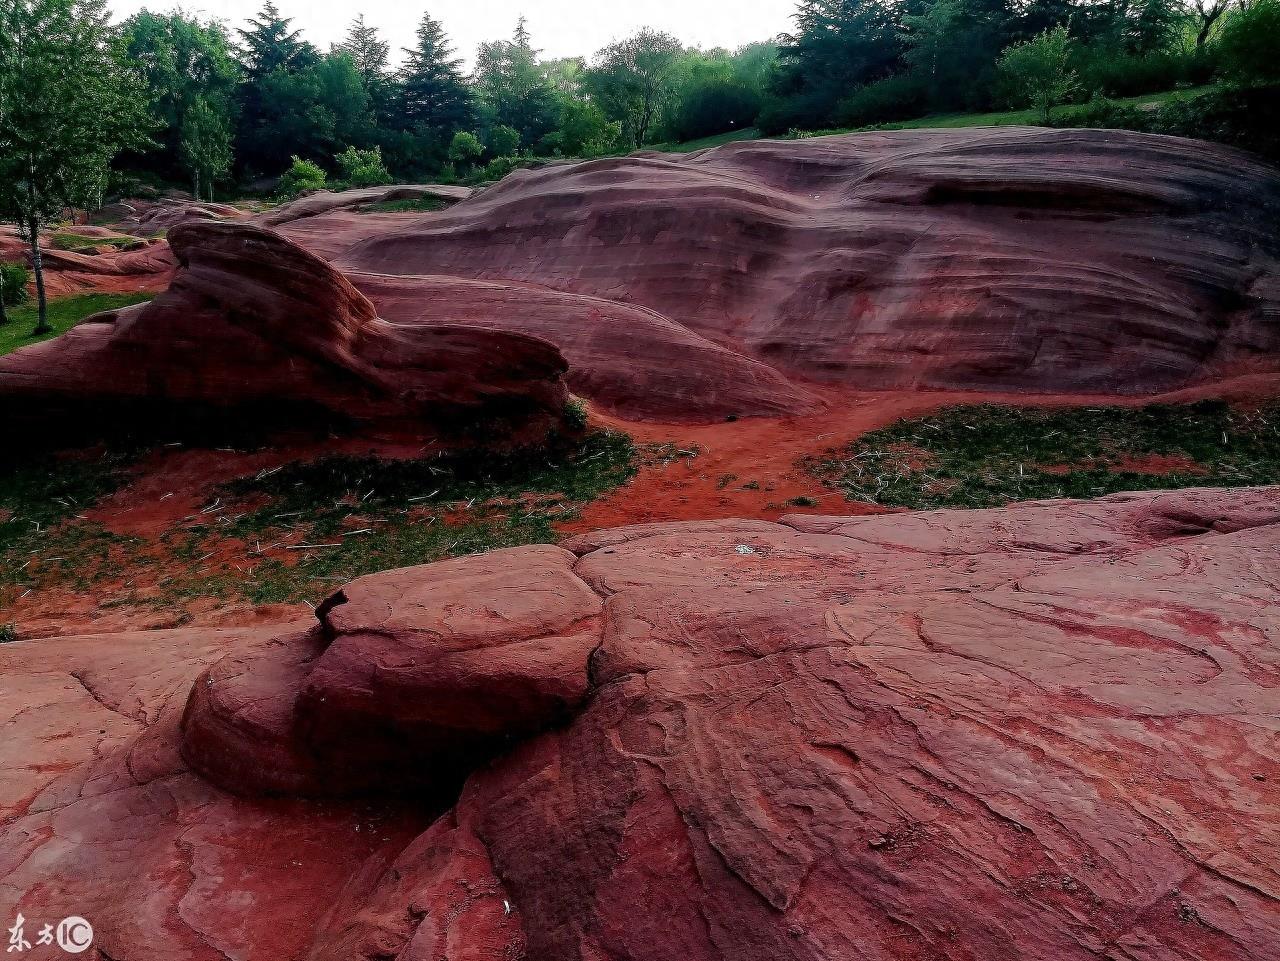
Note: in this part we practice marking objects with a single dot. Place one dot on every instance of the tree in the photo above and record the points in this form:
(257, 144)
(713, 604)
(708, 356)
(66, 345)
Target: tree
(269, 44)
(183, 62)
(205, 147)
(838, 46)
(67, 107)
(301, 176)
(1039, 71)
(465, 149)
(513, 88)
(1207, 13)
(631, 80)
(368, 52)
(1249, 45)
(433, 94)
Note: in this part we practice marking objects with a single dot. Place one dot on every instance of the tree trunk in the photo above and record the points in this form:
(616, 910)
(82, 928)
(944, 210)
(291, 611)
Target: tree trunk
(37, 265)
(4, 316)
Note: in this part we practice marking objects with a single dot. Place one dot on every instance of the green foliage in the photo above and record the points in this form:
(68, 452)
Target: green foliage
(1038, 71)
(416, 205)
(1244, 117)
(13, 284)
(63, 314)
(186, 66)
(465, 149)
(68, 105)
(362, 168)
(514, 90)
(890, 98)
(205, 147)
(502, 141)
(1249, 44)
(433, 94)
(8, 632)
(64, 240)
(989, 456)
(301, 176)
(631, 81)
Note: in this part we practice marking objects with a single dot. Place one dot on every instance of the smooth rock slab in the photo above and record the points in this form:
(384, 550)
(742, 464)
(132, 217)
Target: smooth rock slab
(1044, 732)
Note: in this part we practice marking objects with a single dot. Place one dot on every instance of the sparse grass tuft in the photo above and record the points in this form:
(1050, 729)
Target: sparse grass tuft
(986, 456)
(74, 241)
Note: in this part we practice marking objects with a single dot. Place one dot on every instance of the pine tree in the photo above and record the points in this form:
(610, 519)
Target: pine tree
(270, 45)
(367, 51)
(433, 92)
(515, 88)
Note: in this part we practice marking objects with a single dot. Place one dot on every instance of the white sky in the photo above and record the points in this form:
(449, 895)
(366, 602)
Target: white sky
(560, 28)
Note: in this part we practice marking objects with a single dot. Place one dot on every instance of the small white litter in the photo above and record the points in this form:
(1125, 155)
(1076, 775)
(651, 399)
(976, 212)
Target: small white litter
(745, 549)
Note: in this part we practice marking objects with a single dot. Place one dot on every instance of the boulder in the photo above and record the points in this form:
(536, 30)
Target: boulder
(256, 332)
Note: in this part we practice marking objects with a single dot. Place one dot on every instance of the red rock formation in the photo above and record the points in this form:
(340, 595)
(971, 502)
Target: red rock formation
(256, 328)
(1012, 258)
(1044, 732)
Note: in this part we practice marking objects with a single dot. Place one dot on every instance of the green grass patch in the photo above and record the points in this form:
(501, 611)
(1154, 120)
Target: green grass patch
(987, 456)
(412, 205)
(72, 241)
(747, 133)
(41, 537)
(64, 313)
(364, 514)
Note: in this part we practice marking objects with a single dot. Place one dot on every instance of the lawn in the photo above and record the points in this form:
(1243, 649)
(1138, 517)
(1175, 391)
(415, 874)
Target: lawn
(64, 313)
(987, 456)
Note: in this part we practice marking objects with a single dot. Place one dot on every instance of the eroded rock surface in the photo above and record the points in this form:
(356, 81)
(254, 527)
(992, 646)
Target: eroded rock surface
(1043, 732)
(255, 326)
(1007, 258)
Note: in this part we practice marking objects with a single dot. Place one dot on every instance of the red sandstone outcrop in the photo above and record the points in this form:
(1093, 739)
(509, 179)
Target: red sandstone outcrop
(1043, 732)
(1010, 258)
(256, 327)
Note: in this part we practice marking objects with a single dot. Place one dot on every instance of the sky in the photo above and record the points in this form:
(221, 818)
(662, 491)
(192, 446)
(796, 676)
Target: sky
(560, 28)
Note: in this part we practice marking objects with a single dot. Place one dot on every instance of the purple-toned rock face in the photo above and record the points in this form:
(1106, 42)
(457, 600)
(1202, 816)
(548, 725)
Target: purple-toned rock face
(256, 326)
(1043, 732)
(984, 258)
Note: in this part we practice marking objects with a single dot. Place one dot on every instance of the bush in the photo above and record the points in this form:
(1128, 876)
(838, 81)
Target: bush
(1249, 45)
(1243, 117)
(1039, 72)
(301, 176)
(899, 97)
(8, 633)
(13, 284)
(465, 149)
(362, 168)
(499, 167)
(1115, 73)
(502, 141)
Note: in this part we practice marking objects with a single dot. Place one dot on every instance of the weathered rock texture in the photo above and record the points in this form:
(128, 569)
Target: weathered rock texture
(254, 325)
(1011, 258)
(1045, 732)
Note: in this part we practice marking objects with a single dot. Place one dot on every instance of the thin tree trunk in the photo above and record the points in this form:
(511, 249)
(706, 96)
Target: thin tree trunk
(37, 265)
(4, 316)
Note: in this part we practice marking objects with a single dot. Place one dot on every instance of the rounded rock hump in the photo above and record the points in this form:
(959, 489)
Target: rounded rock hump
(255, 332)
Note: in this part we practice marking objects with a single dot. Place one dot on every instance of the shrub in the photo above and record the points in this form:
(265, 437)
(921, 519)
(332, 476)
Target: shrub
(1038, 70)
(575, 414)
(899, 97)
(465, 149)
(301, 176)
(1244, 117)
(1249, 45)
(502, 141)
(362, 168)
(13, 283)
(8, 633)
